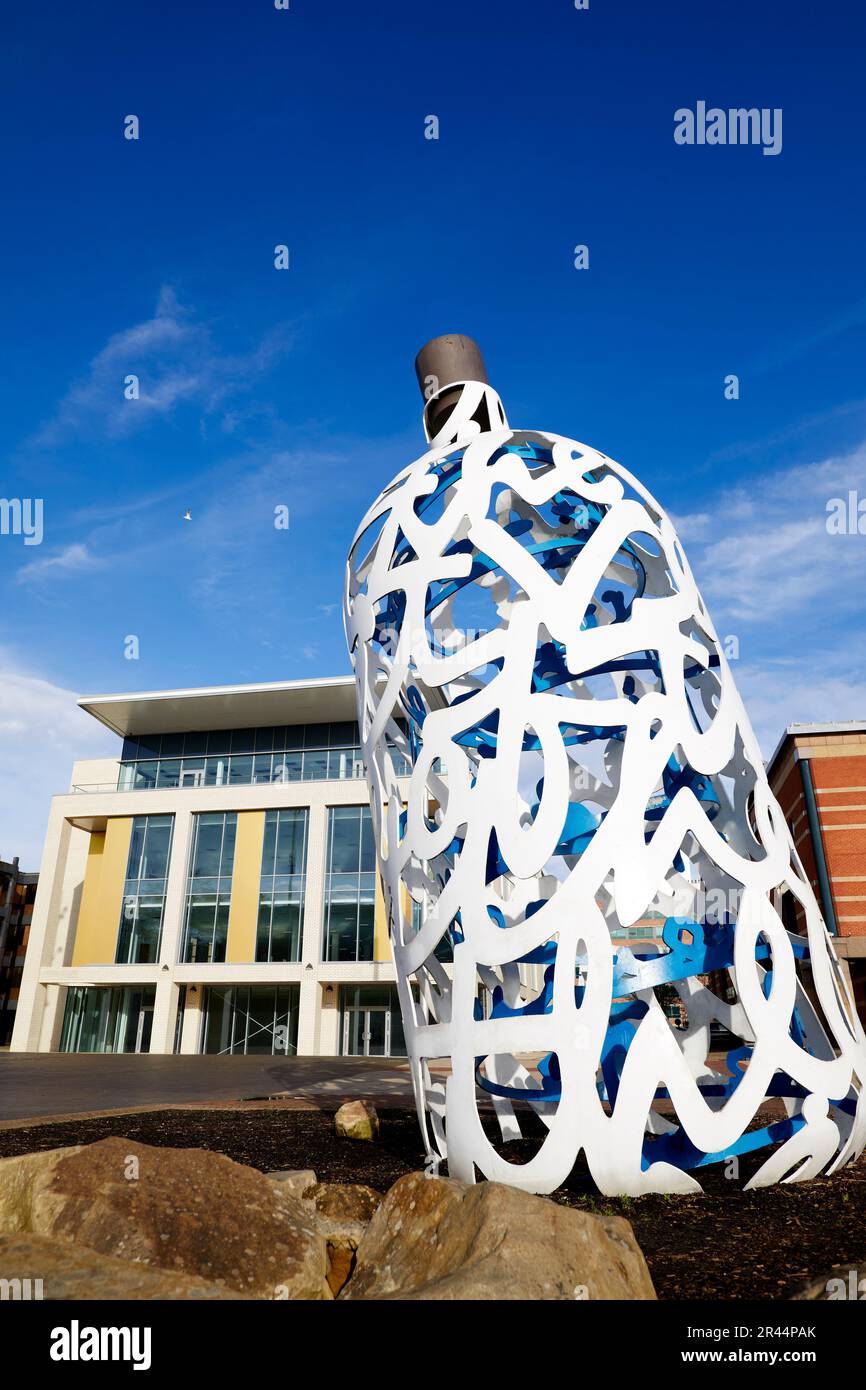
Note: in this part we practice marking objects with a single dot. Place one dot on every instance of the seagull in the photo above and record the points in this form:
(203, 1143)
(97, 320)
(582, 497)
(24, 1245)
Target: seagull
(187, 516)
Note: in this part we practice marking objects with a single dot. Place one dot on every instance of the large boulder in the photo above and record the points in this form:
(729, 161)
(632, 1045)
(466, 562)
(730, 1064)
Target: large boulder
(357, 1119)
(22, 1176)
(434, 1238)
(185, 1210)
(344, 1201)
(42, 1267)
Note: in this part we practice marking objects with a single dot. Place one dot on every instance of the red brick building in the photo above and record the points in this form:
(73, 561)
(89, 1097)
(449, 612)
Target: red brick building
(818, 776)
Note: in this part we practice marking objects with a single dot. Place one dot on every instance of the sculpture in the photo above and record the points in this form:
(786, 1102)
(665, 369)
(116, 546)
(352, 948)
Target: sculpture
(526, 631)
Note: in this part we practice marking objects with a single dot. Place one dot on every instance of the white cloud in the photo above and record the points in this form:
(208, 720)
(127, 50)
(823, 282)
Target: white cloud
(789, 591)
(766, 554)
(777, 694)
(176, 361)
(42, 732)
(74, 559)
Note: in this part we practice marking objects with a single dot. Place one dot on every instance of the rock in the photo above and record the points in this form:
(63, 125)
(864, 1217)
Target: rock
(18, 1178)
(434, 1238)
(343, 1211)
(184, 1210)
(295, 1181)
(345, 1201)
(341, 1262)
(357, 1119)
(73, 1271)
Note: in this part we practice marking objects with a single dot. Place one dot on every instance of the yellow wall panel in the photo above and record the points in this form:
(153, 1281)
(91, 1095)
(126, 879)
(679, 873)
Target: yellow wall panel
(102, 894)
(381, 938)
(246, 879)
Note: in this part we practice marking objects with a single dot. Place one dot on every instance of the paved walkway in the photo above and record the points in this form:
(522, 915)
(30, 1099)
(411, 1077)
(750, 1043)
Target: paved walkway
(52, 1084)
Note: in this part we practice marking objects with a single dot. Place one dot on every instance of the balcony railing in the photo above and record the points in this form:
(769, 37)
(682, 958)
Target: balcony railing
(244, 770)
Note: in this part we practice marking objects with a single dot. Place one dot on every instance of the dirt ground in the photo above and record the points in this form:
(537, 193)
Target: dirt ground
(725, 1244)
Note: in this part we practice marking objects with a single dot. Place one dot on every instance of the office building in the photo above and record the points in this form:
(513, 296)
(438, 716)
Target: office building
(213, 887)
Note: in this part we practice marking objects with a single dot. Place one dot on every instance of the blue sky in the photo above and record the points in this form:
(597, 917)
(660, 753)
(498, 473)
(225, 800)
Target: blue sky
(261, 387)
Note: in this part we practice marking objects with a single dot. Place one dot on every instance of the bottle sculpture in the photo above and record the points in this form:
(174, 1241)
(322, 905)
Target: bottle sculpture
(528, 638)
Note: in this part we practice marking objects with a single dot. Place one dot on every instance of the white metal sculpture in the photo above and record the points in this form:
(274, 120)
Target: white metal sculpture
(526, 632)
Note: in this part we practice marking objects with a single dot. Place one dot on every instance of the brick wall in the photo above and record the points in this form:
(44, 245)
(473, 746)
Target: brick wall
(839, 775)
(838, 764)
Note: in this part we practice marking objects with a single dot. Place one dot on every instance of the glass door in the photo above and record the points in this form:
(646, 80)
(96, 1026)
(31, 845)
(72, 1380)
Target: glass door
(353, 1033)
(366, 1032)
(143, 1031)
(377, 1033)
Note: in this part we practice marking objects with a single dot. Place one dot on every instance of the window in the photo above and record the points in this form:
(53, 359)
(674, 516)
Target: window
(169, 772)
(239, 757)
(251, 1019)
(281, 894)
(210, 886)
(107, 1020)
(350, 884)
(140, 929)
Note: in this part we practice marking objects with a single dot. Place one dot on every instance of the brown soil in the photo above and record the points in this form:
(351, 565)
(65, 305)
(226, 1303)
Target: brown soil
(726, 1244)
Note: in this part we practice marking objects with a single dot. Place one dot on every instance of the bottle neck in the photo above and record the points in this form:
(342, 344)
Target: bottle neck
(458, 412)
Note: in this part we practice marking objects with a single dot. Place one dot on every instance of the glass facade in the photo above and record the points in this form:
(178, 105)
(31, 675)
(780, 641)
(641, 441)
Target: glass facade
(237, 1018)
(107, 1020)
(350, 885)
(140, 929)
(652, 927)
(251, 1019)
(371, 1022)
(240, 757)
(281, 894)
(210, 887)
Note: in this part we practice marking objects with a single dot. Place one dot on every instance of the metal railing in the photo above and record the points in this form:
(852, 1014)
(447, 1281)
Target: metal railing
(337, 768)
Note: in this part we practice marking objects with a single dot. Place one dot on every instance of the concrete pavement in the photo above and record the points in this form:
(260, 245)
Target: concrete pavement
(37, 1085)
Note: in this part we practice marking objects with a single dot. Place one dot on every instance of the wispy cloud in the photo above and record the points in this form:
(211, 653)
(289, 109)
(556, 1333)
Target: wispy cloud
(788, 590)
(801, 690)
(42, 732)
(176, 360)
(765, 550)
(787, 434)
(854, 316)
(233, 526)
(104, 513)
(73, 559)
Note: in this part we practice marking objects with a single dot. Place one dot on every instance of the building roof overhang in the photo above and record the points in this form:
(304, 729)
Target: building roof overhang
(329, 699)
(794, 731)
